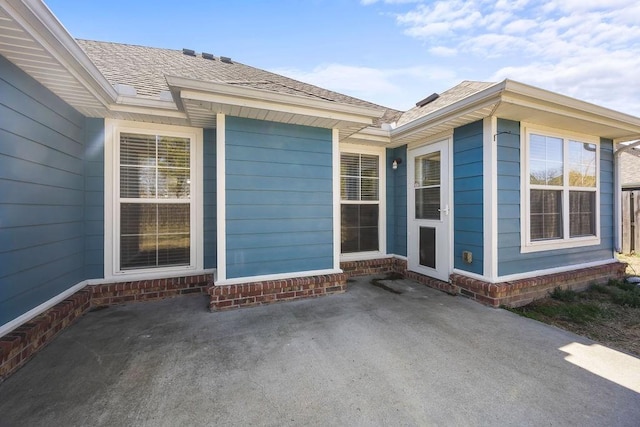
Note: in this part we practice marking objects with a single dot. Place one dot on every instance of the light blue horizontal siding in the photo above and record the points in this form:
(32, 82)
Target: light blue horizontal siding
(397, 202)
(209, 192)
(510, 258)
(94, 198)
(279, 198)
(468, 220)
(42, 221)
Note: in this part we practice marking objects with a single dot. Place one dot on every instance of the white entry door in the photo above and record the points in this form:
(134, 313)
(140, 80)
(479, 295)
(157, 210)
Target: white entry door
(428, 215)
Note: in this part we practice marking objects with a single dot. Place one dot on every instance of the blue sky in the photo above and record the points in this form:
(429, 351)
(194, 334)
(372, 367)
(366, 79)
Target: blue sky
(394, 52)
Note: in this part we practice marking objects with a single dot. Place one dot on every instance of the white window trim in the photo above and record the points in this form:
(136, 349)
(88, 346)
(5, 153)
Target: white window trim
(113, 128)
(526, 245)
(382, 202)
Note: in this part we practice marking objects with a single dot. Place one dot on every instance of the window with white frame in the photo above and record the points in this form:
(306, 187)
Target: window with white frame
(360, 202)
(155, 191)
(562, 176)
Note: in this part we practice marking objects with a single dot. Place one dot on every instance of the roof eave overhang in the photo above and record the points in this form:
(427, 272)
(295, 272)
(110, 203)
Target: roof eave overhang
(468, 110)
(203, 100)
(525, 103)
(40, 27)
(520, 102)
(370, 136)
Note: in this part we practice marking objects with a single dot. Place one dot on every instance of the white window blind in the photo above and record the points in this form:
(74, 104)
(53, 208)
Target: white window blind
(155, 192)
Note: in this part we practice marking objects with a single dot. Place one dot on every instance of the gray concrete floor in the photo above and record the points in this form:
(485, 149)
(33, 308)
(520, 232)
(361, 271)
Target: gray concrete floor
(367, 357)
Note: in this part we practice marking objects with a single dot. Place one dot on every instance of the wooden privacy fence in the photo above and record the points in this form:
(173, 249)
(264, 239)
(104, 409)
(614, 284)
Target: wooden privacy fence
(630, 221)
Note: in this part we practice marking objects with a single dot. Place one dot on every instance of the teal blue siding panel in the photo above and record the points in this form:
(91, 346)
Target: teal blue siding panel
(267, 212)
(397, 201)
(94, 198)
(280, 134)
(278, 158)
(31, 130)
(279, 183)
(284, 239)
(265, 226)
(42, 150)
(248, 197)
(240, 167)
(471, 198)
(269, 183)
(510, 258)
(468, 196)
(264, 255)
(41, 174)
(210, 202)
(468, 170)
(468, 224)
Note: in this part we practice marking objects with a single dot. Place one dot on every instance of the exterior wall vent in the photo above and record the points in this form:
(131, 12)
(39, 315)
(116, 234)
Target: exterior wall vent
(226, 60)
(209, 56)
(189, 52)
(427, 100)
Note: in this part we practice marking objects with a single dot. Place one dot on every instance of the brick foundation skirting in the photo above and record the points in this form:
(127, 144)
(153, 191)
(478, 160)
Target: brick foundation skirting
(225, 297)
(521, 292)
(22, 343)
(148, 290)
(511, 294)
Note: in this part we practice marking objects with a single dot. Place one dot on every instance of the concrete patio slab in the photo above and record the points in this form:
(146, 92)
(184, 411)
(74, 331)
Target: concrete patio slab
(367, 357)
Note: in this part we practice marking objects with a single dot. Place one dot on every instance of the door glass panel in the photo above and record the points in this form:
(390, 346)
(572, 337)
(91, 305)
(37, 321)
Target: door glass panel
(428, 203)
(427, 186)
(428, 247)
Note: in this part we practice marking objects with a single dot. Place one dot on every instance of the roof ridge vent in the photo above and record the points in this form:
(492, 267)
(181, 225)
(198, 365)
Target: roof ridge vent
(226, 60)
(209, 56)
(189, 52)
(427, 100)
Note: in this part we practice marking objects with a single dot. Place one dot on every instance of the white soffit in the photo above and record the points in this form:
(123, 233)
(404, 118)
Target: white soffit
(32, 38)
(519, 102)
(562, 117)
(203, 100)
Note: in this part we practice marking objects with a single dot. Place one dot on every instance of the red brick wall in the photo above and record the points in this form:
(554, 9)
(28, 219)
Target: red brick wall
(19, 345)
(368, 267)
(521, 292)
(148, 290)
(512, 294)
(225, 297)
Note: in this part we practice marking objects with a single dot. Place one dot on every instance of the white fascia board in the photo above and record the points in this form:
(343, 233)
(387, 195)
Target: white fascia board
(370, 136)
(514, 87)
(255, 98)
(38, 20)
(528, 96)
(147, 106)
(466, 105)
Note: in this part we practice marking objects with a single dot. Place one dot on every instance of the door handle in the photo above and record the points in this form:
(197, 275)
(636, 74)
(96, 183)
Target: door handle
(445, 210)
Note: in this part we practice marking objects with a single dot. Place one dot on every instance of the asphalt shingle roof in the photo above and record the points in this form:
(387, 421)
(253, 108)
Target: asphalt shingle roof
(448, 97)
(145, 68)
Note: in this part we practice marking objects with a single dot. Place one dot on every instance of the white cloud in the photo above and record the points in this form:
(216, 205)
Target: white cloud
(369, 2)
(442, 51)
(588, 49)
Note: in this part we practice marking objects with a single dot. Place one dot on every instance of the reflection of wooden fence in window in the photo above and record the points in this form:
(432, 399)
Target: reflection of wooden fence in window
(630, 221)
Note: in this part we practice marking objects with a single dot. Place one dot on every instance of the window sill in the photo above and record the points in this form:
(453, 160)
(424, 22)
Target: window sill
(363, 256)
(552, 245)
(154, 273)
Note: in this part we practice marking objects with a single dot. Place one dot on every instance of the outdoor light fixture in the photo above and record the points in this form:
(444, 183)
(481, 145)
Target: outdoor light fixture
(396, 162)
